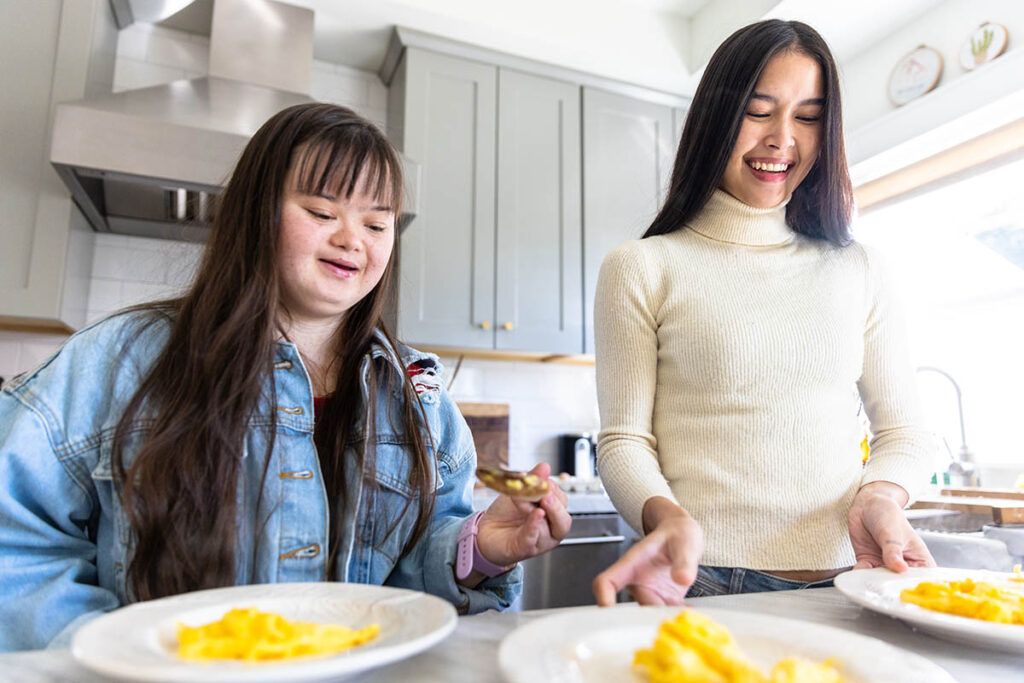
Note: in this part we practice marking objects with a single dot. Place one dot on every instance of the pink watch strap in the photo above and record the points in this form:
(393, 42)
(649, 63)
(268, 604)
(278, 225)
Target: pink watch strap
(467, 555)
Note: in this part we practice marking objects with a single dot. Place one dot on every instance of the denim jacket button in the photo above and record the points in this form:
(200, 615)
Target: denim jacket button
(283, 365)
(306, 553)
(300, 474)
(296, 410)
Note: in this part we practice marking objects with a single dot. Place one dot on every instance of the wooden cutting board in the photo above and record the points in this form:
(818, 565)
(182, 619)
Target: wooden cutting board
(489, 424)
(1002, 510)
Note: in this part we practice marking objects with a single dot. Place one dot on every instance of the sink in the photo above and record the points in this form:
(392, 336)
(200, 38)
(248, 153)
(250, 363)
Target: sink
(968, 551)
(961, 539)
(950, 521)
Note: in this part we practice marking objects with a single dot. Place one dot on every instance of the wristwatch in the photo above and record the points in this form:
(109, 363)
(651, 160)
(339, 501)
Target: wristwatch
(468, 557)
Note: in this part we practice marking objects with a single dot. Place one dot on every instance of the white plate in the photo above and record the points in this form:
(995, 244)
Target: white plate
(879, 590)
(138, 642)
(597, 645)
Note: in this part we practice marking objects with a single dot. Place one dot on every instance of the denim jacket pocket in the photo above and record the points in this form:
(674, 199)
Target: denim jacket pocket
(394, 500)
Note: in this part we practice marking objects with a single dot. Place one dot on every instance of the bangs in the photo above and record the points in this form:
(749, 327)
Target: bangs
(349, 163)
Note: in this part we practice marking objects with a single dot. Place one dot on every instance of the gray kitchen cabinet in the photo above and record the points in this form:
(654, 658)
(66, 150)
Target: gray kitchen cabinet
(52, 51)
(443, 115)
(493, 258)
(628, 151)
(539, 245)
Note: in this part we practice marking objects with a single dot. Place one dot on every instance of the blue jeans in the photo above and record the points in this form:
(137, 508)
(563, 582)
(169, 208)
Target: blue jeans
(729, 580)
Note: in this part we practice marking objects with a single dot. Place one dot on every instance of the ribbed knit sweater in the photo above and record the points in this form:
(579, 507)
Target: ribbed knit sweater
(731, 358)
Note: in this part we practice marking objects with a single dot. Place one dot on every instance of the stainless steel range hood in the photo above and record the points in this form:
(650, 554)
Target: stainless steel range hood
(149, 161)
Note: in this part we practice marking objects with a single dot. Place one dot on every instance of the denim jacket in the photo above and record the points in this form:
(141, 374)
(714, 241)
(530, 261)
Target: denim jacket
(65, 543)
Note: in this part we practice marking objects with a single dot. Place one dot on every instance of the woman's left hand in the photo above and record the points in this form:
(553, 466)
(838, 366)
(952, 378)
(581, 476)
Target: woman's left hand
(880, 533)
(512, 530)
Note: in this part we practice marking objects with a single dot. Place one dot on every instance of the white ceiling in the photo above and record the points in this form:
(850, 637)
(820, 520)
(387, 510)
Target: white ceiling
(661, 44)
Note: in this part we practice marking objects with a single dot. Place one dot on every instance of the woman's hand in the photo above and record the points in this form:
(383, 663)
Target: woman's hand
(880, 533)
(512, 530)
(660, 568)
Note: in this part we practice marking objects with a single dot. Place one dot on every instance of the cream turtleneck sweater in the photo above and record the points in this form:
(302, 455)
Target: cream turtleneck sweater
(731, 355)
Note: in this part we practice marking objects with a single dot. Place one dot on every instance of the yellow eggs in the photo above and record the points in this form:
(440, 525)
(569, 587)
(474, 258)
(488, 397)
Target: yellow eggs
(251, 635)
(693, 648)
(968, 598)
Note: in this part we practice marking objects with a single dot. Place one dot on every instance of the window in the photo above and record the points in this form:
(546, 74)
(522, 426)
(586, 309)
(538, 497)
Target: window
(956, 254)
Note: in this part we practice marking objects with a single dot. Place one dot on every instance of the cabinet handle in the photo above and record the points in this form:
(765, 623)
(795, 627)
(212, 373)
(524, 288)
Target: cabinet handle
(485, 325)
(508, 326)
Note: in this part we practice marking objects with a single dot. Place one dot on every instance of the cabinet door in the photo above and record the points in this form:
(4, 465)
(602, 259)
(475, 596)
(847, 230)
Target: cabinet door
(539, 256)
(628, 151)
(446, 282)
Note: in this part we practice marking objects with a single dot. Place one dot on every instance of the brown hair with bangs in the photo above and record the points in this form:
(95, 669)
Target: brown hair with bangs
(209, 386)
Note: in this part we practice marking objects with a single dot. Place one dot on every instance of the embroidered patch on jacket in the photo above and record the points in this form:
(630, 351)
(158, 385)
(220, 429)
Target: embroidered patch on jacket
(426, 378)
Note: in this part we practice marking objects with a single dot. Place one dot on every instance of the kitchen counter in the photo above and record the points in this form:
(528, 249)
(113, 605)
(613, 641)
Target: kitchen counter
(578, 503)
(470, 654)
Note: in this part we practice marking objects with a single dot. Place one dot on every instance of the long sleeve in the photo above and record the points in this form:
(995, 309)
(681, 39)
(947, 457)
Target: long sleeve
(48, 571)
(626, 346)
(902, 451)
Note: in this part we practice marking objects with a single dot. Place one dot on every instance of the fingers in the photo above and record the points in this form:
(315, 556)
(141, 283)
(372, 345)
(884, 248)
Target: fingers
(559, 520)
(685, 553)
(646, 596)
(604, 590)
(542, 470)
(612, 580)
(892, 556)
(864, 563)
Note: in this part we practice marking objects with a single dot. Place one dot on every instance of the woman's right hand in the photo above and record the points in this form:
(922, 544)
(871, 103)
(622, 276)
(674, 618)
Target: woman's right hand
(660, 568)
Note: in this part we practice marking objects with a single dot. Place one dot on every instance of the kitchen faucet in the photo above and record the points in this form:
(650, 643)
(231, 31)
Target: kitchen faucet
(963, 466)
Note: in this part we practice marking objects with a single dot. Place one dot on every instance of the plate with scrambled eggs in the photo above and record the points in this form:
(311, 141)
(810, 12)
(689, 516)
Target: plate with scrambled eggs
(268, 632)
(629, 643)
(975, 607)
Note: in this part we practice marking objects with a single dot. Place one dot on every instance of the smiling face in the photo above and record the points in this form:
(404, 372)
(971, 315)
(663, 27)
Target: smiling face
(332, 250)
(781, 133)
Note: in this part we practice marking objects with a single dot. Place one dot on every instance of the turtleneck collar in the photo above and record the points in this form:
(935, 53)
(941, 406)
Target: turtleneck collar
(726, 219)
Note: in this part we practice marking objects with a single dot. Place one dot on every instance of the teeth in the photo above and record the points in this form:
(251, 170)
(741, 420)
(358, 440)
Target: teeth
(761, 166)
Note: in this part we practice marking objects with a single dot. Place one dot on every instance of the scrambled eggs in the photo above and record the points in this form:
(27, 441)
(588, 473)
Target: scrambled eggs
(692, 648)
(251, 635)
(968, 598)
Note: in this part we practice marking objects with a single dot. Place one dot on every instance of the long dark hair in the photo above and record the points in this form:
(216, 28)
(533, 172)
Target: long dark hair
(204, 389)
(822, 205)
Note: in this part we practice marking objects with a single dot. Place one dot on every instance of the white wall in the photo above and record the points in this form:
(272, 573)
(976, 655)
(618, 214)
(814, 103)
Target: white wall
(945, 28)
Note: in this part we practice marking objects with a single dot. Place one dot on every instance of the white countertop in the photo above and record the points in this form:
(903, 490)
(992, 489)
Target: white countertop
(470, 654)
(578, 503)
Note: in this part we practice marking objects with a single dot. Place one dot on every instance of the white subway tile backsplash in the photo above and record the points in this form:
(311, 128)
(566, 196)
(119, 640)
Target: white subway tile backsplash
(140, 293)
(9, 352)
(125, 263)
(378, 95)
(352, 91)
(181, 268)
(35, 352)
(105, 295)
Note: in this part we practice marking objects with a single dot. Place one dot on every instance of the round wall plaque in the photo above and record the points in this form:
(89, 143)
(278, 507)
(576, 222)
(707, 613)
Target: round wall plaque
(915, 74)
(986, 43)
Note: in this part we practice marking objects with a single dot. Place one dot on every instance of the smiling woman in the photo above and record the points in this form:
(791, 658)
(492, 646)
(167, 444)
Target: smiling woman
(736, 340)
